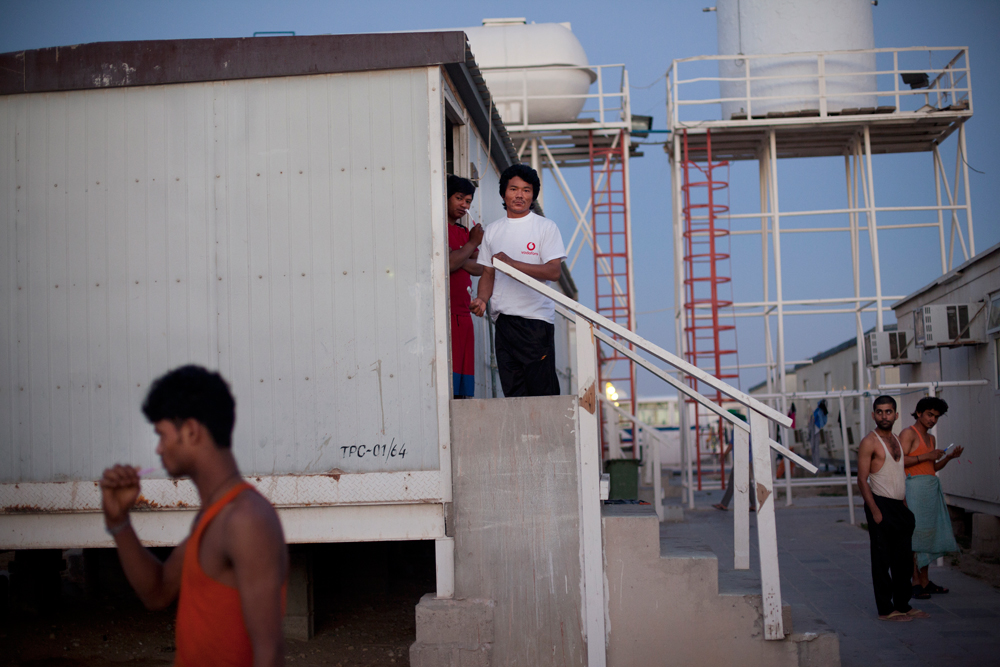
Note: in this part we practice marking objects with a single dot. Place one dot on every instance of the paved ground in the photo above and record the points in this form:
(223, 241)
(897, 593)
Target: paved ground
(826, 573)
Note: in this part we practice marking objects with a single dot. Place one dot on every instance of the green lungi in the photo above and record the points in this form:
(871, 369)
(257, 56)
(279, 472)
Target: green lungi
(933, 536)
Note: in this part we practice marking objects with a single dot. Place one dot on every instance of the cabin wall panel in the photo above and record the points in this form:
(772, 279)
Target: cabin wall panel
(277, 229)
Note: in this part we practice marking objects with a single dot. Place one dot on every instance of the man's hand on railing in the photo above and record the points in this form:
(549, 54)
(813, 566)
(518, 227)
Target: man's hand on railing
(478, 307)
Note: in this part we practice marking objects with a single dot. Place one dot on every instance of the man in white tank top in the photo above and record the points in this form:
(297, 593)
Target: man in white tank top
(890, 523)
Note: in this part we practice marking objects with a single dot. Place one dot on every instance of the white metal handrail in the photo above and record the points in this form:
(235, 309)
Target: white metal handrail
(755, 439)
(951, 85)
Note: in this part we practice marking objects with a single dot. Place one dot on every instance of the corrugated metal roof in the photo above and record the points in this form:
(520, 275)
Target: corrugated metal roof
(948, 277)
(163, 62)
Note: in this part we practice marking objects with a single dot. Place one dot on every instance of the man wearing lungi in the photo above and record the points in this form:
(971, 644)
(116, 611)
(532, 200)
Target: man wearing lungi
(933, 536)
(463, 247)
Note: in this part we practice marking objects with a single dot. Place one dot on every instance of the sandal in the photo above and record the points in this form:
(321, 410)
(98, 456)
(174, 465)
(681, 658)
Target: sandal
(918, 613)
(720, 506)
(931, 587)
(921, 593)
(896, 617)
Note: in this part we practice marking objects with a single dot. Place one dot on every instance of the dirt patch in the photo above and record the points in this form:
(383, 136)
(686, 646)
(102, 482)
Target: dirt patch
(364, 599)
(974, 565)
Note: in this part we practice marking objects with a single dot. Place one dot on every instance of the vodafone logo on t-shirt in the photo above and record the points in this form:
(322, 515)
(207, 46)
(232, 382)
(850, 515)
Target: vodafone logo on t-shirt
(530, 250)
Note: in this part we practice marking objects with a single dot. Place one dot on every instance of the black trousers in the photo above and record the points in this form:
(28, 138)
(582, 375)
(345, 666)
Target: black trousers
(526, 356)
(892, 556)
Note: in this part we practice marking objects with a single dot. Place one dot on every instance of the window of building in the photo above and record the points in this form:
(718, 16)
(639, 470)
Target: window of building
(449, 146)
(993, 321)
(996, 362)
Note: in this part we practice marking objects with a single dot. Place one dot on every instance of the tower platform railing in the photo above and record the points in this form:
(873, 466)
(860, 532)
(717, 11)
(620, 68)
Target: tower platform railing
(607, 108)
(877, 83)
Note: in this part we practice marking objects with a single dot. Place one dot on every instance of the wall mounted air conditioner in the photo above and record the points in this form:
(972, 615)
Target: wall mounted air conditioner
(950, 325)
(890, 348)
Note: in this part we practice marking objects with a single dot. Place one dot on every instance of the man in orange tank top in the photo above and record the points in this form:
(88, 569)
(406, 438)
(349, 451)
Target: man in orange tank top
(230, 572)
(933, 536)
(890, 524)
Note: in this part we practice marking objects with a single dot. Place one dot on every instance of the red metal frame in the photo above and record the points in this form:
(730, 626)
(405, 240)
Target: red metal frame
(703, 276)
(609, 224)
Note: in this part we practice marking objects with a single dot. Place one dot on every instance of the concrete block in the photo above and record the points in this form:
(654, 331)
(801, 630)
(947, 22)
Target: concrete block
(817, 649)
(986, 534)
(299, 622)
(673, 513)
(449, 655)
(459, 623)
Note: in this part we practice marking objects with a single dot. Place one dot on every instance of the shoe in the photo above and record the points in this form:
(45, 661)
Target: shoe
(921, 593)
(896, 617)
(918, 613)
(721, 507)
(933, 588)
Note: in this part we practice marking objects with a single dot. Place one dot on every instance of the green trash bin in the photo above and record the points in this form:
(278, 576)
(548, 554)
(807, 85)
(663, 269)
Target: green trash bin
(624, 478)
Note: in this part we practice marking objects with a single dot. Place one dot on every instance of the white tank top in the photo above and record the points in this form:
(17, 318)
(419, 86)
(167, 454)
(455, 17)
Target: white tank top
(890, 480)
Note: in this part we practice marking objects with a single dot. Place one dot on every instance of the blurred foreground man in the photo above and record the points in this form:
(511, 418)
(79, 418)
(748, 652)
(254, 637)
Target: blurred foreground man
(230, 572)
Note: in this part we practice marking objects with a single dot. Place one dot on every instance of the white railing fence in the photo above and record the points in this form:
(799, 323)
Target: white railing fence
(753, 439)
(756, 84)
(607, 107)
(849, 479)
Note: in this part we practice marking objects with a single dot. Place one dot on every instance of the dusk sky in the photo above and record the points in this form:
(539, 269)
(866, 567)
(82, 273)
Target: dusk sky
(645, 36)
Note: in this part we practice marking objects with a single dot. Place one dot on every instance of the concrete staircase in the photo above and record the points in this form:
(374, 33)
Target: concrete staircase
(667, 605)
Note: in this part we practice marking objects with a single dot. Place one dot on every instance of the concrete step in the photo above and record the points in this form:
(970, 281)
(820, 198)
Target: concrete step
(668, 599)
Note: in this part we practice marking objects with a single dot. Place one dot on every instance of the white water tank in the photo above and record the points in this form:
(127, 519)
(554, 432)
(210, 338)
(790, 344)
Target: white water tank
(501, 44)
(751, 27)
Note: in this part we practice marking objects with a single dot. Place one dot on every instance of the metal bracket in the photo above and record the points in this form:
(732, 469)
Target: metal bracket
(588, 399)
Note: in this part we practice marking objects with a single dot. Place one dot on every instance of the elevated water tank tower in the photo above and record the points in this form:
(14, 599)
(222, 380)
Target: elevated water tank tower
(522, 61)
(755, 27)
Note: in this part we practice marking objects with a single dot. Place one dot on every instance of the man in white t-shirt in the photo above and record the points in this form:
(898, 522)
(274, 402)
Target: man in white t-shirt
(523, 318)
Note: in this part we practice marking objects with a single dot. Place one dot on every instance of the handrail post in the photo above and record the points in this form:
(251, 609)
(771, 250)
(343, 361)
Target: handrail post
(767, 537)
(741, 499)
(589, 486)
(847, 458)
(821, 72)
(600, 92)
(654, 442)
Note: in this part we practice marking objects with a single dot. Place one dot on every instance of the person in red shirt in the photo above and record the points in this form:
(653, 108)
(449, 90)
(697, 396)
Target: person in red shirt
(229, 575)
(463, 246)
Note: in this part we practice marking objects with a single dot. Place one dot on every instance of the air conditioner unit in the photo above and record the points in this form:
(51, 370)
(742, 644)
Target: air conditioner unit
(949, 325)
(890, 348)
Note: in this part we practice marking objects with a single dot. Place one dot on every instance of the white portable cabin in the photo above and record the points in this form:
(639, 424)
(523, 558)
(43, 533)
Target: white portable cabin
(270, 207)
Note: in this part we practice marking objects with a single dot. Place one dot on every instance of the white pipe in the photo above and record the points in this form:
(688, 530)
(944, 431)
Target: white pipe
(847, 458)
(937, 194)
(968, 196)
(841, 211)
(772, 157)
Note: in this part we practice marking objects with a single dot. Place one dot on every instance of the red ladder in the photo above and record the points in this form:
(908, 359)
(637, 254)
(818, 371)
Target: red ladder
(612, 269)
(706, 250)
